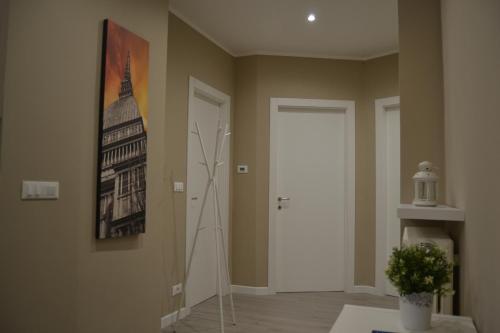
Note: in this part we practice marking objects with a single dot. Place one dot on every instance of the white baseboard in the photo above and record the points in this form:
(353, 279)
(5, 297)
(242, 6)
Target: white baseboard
(365, 290)
(170, 318)
(259, 291)
(247, 290)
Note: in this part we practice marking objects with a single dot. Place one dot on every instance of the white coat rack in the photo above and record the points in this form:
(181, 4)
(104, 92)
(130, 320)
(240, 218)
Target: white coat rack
(220, 246)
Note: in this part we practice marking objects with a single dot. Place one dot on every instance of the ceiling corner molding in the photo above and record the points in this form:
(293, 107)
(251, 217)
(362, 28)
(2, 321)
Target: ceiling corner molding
(299, 55)
(314, 56)
(200, 31)
(383, 54)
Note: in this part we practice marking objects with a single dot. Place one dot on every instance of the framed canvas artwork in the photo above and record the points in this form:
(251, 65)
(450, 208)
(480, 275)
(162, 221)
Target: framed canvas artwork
(123, 121)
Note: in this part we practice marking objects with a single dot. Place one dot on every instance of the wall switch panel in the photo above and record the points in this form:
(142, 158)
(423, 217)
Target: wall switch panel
(177, 289)
(178, 187)
(242, 168)
(40, 190)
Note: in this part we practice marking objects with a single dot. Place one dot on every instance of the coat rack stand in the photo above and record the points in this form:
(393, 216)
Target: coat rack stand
(220, 246)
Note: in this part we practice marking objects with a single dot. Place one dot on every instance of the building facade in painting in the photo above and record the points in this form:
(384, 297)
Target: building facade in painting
(123, 165)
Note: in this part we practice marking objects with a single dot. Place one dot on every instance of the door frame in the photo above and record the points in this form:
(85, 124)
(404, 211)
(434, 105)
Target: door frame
(348, 107)
(197, 87)
(382, 105)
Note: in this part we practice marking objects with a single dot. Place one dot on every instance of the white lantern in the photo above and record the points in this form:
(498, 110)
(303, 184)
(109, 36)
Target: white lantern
(425, 185)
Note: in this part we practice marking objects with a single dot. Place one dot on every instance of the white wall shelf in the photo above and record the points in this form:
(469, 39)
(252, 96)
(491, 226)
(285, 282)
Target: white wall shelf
(439, 213)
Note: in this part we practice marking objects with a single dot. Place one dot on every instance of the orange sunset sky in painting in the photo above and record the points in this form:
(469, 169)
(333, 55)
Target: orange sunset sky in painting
(120, 41)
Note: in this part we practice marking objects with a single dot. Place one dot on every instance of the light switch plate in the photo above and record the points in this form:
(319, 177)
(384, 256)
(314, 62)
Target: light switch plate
(241, 168)
(40, 190)
(178, 187)
(177, 289)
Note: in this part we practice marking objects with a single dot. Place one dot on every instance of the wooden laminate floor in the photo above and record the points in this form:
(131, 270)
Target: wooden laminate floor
(313, 312)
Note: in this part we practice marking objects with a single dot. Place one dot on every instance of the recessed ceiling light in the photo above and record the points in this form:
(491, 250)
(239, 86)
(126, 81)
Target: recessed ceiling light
(311, 18)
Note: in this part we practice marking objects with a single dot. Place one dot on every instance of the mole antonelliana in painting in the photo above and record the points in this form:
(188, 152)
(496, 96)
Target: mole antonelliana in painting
(121, 183)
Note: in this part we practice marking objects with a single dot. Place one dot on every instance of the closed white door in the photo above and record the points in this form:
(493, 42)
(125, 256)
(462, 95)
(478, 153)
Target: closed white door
(388, 172)
(310, 176)
(393, 175)
(206, 107)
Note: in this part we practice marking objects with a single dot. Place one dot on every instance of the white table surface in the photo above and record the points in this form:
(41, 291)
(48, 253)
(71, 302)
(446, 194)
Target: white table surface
(363, 319)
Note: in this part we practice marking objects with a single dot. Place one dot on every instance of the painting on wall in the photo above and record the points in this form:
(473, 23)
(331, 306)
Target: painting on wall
(123, 123)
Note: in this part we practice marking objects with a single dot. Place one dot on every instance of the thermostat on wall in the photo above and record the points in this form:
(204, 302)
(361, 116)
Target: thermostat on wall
(242, 168)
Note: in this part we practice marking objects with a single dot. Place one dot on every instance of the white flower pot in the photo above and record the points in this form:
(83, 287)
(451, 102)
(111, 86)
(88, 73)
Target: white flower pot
(416, 310)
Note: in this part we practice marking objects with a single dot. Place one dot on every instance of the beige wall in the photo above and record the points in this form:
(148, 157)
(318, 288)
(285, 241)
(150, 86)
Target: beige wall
(244, 252)
(421, 89)
(303, 78)
(55, 276)
(471, 51)
(189, 54)
(4, 18)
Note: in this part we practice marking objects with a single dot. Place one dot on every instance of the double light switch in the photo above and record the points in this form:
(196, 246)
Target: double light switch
(38, 190)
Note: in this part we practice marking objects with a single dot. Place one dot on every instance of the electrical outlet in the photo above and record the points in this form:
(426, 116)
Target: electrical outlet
(177, 289)
(241, 168)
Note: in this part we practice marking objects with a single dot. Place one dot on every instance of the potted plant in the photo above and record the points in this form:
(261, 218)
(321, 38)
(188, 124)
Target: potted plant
(418, 272)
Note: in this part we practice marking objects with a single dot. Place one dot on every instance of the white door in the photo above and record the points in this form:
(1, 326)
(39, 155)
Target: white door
(206, 107)
(388, 181)
(310, 176)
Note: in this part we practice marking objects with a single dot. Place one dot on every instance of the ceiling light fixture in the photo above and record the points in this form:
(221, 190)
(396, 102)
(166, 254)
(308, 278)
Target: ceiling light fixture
(311, 17)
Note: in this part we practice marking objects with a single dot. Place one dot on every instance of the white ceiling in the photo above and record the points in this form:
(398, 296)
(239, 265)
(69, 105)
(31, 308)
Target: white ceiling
(350, 29)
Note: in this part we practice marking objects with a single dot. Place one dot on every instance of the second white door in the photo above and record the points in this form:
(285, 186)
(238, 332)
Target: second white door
(388, 174)
(209, 108)
(310, 222)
